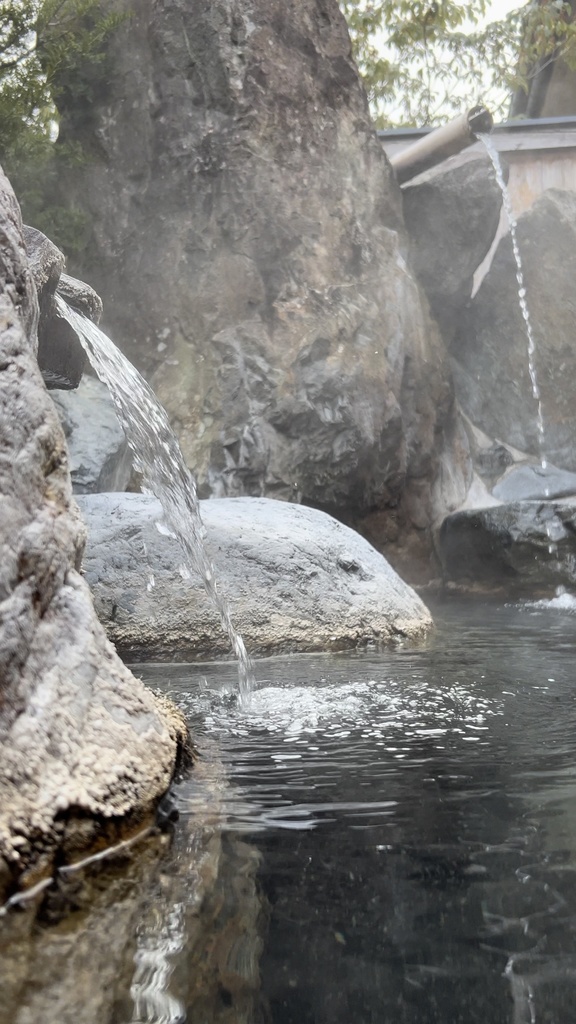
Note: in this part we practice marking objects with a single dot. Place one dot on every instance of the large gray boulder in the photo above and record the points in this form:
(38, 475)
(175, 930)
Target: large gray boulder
(248, 244)
(83, 745)
(296, 579)
(99, 455)
(451, 215)
(491, 349)
(527, 548)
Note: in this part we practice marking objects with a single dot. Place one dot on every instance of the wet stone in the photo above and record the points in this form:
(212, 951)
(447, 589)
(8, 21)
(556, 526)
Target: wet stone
(492, 462)
(100, 459)
(523, 548)
(526, 483)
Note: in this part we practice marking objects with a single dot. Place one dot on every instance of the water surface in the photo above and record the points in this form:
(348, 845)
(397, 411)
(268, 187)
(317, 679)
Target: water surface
(414, 817)
(378, 838)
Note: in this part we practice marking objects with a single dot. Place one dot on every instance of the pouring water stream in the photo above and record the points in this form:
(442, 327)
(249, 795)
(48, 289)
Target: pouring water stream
(158, 457)
(531, 341)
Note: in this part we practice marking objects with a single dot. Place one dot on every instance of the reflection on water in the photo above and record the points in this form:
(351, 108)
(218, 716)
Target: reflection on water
(414, 811)
(384, 837)
(159, 942)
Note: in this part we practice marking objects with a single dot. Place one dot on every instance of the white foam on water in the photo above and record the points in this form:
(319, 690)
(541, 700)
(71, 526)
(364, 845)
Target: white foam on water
(361, 710)
(564, 602)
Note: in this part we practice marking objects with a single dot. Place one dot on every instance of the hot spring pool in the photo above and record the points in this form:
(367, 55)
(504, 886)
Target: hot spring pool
(395, 841)
(414, 815)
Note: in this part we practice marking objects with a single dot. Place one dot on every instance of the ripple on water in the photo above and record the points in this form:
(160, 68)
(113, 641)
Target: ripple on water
(414, 815)
(347, 711)
(288, 752)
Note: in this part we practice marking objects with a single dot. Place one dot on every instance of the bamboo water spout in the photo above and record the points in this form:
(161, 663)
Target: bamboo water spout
(441, 143)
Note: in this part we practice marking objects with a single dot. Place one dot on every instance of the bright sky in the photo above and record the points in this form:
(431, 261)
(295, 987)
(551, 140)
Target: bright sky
(500, 8)
(496, 9)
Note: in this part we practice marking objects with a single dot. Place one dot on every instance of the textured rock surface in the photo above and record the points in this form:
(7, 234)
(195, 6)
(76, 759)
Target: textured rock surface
(451, 216)
(81, 296)
(491, 361)
(60, 355)
(528, 547)
(249, 249)
(99, 456)
(527, 483)
(79, 736)
(296, 580)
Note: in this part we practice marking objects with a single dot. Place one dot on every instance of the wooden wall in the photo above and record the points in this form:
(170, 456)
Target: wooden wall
(533, 171)
(537, 159)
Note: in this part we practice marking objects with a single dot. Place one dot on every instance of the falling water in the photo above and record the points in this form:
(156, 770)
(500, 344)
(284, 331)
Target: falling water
(494, 157)
(157, 456)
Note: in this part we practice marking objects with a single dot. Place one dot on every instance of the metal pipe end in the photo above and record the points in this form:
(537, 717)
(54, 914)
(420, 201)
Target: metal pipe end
(480, 120)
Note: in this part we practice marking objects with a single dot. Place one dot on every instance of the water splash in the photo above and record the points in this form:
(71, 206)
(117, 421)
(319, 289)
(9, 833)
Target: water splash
(158, 457)
(562, 601)
(531, 341)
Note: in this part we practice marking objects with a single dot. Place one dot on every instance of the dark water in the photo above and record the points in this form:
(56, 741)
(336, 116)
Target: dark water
(414, 818)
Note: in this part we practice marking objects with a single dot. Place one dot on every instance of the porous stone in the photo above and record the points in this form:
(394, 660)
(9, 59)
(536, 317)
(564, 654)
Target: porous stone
(88, 959)
(81, 296)
(491, 348)
(99, 456)
(60, 355)
(46, 263)
(79, 736)
(296, 580)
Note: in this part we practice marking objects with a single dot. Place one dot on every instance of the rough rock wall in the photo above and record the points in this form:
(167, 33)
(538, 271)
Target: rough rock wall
(80, 738)
(490, 347)
(248, 243)
(451, 214)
